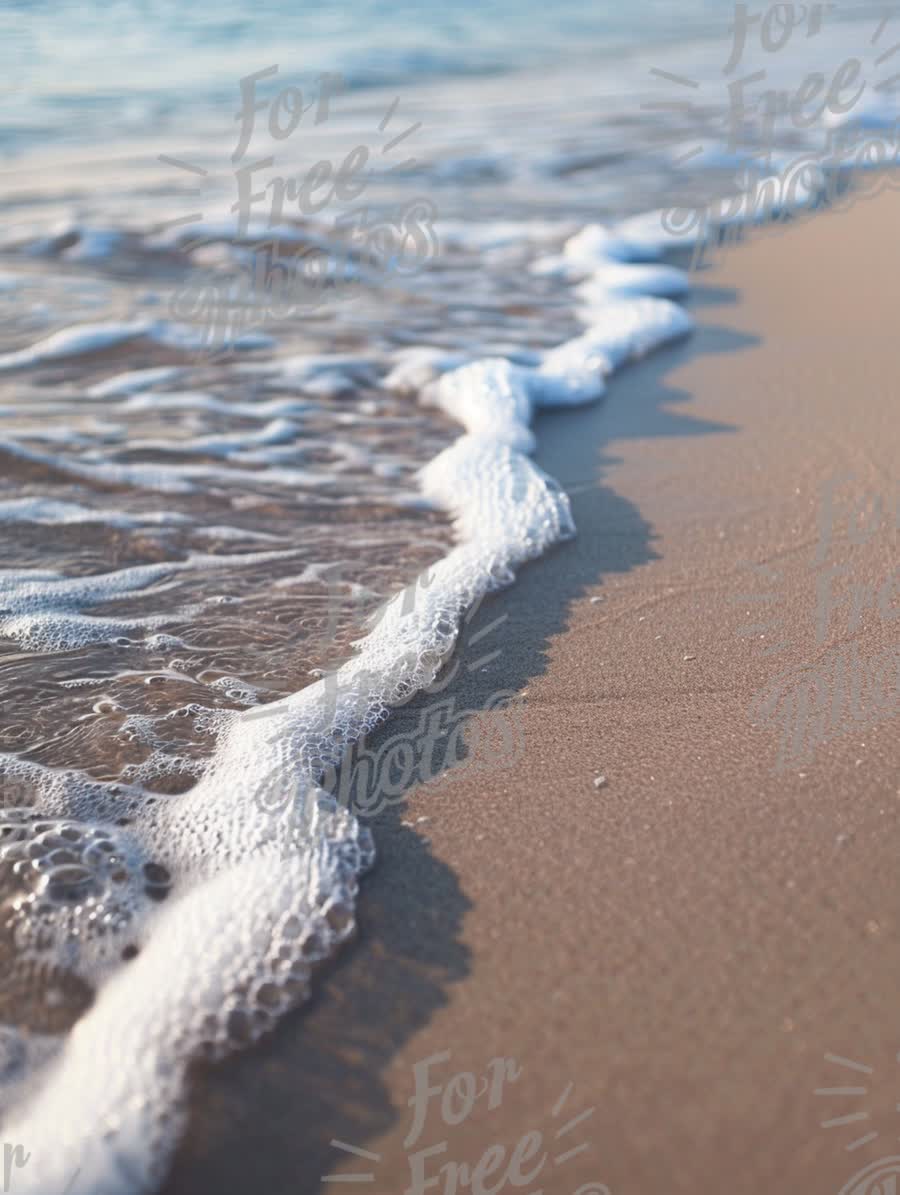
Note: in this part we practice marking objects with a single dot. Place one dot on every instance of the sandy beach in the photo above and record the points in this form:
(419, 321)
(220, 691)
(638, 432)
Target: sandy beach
(449, 598)
(677, 946)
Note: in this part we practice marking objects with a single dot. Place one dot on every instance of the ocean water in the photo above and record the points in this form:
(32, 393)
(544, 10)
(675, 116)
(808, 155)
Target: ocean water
(72, 70)
(265, 439)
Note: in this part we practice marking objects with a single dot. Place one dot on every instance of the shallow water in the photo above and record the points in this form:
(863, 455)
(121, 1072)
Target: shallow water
(210, 486)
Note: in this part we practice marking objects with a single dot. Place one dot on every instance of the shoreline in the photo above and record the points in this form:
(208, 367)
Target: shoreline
(667, 901)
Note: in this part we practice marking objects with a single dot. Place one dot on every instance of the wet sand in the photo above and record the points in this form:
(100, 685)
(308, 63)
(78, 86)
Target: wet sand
(685, 942)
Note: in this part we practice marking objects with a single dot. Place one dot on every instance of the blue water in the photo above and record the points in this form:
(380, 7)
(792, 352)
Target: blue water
(74, 71)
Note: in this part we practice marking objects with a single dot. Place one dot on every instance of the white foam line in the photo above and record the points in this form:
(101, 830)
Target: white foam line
(169, 479)
(134, 381)
(44, 613)
(110, 1118)
(82, 339)
(196, 400)
(50, 512)
(507, 512)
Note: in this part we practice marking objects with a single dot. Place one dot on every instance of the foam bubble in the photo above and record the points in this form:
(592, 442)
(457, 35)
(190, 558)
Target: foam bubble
(621, 281)
(257, 866)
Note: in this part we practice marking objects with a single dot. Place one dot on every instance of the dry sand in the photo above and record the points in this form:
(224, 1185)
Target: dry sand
(685, 943)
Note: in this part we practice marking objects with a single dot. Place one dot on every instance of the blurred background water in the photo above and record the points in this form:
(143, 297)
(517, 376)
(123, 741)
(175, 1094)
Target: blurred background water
(73, 70)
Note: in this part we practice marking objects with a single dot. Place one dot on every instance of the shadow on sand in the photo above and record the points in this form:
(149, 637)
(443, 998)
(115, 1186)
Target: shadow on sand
(264, 1120)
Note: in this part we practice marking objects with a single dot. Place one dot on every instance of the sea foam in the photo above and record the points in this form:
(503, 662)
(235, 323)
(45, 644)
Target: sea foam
(264, 864)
